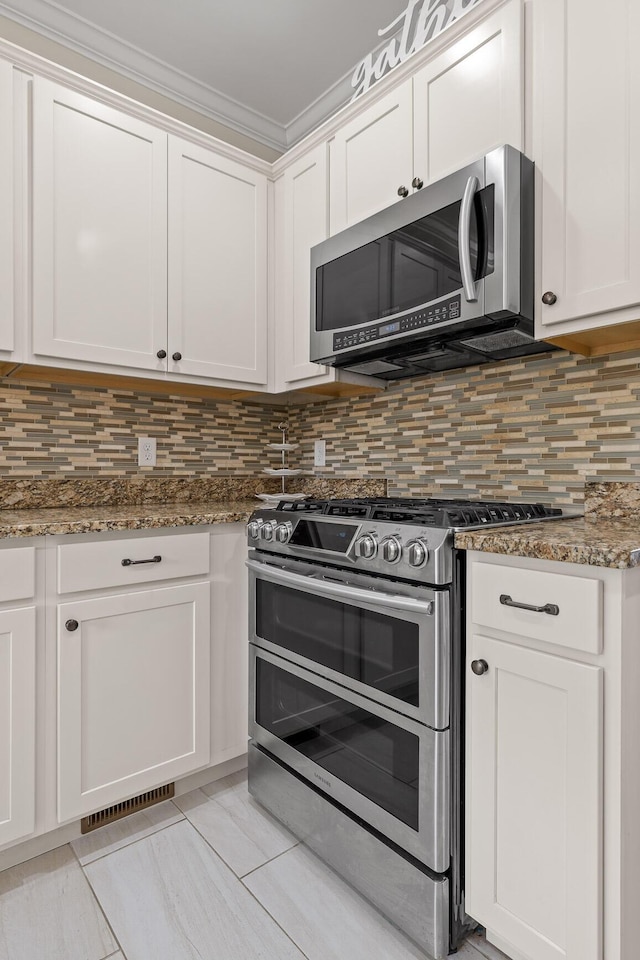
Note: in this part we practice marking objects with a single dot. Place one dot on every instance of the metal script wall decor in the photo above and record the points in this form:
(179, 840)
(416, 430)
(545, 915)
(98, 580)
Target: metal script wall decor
(420, 22)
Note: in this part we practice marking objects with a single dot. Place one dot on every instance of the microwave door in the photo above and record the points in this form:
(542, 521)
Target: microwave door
(397, 261)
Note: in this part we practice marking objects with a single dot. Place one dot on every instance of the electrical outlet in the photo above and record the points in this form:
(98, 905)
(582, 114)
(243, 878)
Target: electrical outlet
(319, 453)
(146, 451)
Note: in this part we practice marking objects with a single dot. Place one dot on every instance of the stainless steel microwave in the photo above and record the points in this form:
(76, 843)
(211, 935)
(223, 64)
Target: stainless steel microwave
(442, 279)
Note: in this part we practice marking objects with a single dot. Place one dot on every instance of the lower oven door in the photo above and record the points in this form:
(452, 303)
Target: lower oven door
(385, 768)
(385, 640)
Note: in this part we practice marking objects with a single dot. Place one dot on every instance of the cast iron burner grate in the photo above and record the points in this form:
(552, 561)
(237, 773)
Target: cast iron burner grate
(429, 512)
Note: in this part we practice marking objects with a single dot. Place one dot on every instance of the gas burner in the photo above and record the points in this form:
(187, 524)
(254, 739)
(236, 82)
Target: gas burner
(432, 512)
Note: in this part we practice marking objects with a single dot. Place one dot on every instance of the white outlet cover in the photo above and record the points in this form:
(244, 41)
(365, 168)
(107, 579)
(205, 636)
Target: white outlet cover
(146, 451)
(319, 453)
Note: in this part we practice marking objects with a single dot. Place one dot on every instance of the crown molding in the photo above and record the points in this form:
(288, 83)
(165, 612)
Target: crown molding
(325, 129)
(51, 21)
(32, 63)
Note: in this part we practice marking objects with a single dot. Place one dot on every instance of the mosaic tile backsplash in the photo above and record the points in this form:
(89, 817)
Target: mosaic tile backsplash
(534, 428)
(48, 430)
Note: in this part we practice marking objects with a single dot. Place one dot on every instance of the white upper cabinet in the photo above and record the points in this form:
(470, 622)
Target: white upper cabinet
(217, 266)
(467, 100)
(301, 201)
(372, 158)
(587, 152)
(99, 232)
(6, 209)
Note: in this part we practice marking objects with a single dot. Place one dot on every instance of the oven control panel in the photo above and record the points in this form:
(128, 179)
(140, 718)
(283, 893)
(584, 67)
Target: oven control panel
(403, 551)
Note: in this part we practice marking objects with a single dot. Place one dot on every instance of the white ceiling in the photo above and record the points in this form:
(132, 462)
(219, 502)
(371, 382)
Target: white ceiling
(270, 68)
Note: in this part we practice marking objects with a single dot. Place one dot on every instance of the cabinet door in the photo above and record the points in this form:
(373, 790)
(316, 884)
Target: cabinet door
(534, 801)
(469, 99)
(217, 266)
(304, 200)
(587, 152)
(17, 723)
(99, 232)
(371, 156)
(6, 208)
(133, 694)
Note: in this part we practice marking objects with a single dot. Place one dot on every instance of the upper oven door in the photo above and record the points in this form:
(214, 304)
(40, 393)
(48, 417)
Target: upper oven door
(389, 642)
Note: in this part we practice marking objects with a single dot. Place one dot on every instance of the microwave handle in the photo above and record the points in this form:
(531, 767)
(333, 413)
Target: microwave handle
(464, 240)
(341, 592)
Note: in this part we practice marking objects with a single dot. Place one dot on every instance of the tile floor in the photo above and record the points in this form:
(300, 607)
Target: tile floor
(209, 876)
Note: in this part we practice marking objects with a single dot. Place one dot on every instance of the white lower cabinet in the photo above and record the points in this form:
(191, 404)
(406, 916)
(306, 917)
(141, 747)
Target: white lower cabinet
(17, 723)
(229, 643)
(535, 814)
(552, 835)
(133, 694)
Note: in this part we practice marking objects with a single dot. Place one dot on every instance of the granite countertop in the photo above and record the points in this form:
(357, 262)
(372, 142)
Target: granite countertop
(598, 542)
(42, 521)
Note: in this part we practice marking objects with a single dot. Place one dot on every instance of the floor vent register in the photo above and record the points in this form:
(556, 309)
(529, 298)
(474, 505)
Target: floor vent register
(127, 807)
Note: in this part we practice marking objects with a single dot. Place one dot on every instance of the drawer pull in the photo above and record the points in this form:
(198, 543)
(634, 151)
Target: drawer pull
(551, 608)
(133, 563)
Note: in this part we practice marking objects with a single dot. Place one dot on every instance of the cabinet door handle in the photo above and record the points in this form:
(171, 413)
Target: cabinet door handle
(161, 354)
(479, 667)
(176, 356)
(551, 608)
(417, 183)
(133, 563)
(403, 192)
(71, 625)
(549, 298)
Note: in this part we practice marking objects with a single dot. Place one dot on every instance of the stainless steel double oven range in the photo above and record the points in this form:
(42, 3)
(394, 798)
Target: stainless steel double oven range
(356, 693)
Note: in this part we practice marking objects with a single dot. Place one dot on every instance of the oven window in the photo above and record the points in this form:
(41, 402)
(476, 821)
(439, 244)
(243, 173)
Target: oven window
(377, 649)
(378, 759)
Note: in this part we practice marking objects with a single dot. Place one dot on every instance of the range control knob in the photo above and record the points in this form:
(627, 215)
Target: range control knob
(253, 529)
(284, 531)
(267, 529)
(366, 546)
(391, 549)
(418, 553)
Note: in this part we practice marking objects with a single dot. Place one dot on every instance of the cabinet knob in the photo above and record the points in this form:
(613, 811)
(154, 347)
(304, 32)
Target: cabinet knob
(161, 354)
(417, 183)
(71, 625)
(403, 192)
(479, 667)
(549, 298)
(176, 356)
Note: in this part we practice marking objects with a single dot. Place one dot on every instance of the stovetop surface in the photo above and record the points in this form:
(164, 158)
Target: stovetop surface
(433, 512)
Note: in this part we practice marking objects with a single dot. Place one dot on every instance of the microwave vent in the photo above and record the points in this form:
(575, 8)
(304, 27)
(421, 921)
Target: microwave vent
(374, 368)
(504, 340)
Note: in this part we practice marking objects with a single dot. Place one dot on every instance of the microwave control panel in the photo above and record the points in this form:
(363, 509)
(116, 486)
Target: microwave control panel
(425, 317)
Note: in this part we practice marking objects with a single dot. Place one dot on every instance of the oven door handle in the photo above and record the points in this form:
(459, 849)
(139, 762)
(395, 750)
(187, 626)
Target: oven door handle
(342, 592)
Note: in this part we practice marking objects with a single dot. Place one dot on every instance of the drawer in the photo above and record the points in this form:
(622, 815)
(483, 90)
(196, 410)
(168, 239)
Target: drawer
(96, 566)
(17, 573)
(578, 624)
